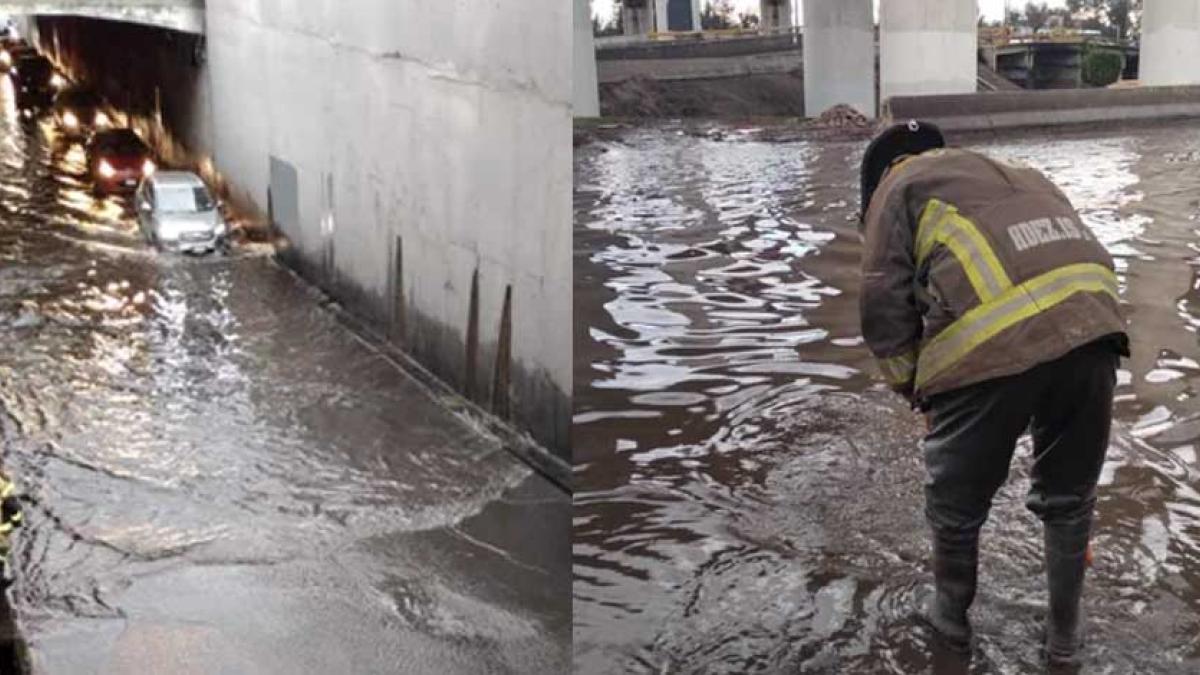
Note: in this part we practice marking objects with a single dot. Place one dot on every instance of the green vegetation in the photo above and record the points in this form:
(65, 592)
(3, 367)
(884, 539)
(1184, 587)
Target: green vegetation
(1102, 67)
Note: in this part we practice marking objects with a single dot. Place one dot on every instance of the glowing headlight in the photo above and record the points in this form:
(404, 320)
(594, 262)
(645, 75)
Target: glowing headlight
(58, 81)
(102, 119)
(6, 58)
(107, 169)
(70, 120)
(148, 168)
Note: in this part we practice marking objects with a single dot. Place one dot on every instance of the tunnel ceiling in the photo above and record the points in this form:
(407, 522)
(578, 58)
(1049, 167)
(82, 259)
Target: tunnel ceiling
(180, 15)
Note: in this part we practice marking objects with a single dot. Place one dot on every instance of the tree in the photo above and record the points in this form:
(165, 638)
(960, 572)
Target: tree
(717, 15)
(1102, 67)
(748, 20)
(1037, 15)
(1118, 16)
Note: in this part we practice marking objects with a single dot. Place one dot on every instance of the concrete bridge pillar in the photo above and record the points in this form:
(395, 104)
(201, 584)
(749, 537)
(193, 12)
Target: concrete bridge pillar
(585, 96)
(775, 14)
(927, 47)
(1170, 50)
(839, 55)
(638, 17)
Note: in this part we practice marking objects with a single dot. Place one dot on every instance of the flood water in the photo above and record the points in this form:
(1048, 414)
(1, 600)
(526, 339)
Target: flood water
(222, 479)
(748, 495)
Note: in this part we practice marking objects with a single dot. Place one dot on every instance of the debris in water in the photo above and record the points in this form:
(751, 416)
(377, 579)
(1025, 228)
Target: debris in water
(842, 116)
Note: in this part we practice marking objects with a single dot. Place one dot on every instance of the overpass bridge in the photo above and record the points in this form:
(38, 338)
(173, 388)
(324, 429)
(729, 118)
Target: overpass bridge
(186, 16)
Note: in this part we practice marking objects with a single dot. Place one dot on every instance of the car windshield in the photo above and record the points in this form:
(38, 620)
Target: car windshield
(35, 69)
(79, 99)
(183, 199)
(120, 142)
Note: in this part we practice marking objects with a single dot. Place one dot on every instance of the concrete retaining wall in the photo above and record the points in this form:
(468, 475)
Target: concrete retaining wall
(701, 68)
(417, 156)
(1009, 110)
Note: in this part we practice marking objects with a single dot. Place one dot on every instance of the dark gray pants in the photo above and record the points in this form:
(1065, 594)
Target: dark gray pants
(1066, 404)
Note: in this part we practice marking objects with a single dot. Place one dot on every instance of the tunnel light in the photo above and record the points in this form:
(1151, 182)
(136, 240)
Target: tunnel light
(107, 169)
(102, 119)
(148, 168)
(70, 120)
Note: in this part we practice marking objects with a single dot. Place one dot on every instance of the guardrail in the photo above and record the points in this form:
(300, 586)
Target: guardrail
(722, 35)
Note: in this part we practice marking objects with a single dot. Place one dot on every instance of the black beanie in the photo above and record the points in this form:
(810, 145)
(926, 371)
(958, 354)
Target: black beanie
(910, 138)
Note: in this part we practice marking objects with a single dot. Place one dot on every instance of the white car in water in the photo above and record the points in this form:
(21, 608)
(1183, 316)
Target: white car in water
(177, 212)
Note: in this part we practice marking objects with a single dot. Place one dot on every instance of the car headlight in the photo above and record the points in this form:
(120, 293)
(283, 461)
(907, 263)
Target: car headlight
(148, 168)
(107, 169)
(58, 81)
(70, 119)
(102, 119)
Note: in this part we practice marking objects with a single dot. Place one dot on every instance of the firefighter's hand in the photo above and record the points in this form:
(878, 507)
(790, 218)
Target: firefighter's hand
(10, 511)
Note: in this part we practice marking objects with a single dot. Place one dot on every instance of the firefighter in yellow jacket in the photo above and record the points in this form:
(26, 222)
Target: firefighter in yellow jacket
(990, 305)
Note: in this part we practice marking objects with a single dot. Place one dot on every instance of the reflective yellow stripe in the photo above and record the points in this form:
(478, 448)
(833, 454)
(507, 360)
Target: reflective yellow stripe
(942, 224)
(5, 528)
(899, 369)
(7, 489)
(17, 517)
(1013, 306)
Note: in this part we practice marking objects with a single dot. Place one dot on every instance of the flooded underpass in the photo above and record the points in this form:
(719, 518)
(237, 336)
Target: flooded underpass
(748, 494)
(220, 477)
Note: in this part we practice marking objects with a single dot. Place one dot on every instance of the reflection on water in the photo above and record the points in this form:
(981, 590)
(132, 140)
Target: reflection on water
(748, 495)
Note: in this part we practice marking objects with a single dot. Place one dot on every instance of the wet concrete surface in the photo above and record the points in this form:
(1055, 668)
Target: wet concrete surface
(748, 495)
(223, 479)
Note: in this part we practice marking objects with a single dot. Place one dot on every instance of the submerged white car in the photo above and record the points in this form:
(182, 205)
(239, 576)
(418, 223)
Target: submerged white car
(177, 212)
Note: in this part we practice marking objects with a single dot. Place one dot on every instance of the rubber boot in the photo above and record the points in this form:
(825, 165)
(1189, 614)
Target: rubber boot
(954, 576)
(1066, 562)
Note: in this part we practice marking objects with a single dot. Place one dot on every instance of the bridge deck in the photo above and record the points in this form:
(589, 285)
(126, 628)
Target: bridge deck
(181, 15)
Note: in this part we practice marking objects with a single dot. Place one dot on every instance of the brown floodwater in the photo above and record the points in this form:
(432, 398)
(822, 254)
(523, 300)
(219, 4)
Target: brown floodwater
(748, 495)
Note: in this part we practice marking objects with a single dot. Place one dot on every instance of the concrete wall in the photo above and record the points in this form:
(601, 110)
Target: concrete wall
(429, 144)
(586, 97)
(927, 47)
(839, 55)
(1170, 50)
(619, 70)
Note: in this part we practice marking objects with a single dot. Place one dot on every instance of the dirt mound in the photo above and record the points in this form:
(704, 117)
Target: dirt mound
(764, 95)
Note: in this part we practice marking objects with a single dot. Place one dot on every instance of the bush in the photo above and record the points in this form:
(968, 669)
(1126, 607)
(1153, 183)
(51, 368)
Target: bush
(1101, 68)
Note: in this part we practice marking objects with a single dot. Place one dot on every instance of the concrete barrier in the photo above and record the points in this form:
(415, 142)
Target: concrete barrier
(1010, 110)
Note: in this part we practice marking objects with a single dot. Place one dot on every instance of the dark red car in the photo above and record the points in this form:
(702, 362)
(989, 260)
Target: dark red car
(118, 160)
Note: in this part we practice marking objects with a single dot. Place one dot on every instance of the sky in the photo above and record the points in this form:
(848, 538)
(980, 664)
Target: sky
(992, 9)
